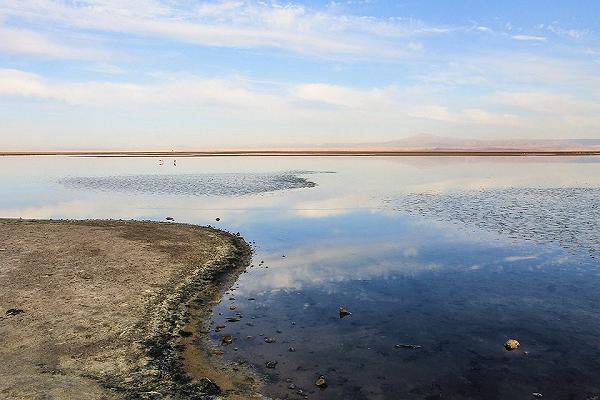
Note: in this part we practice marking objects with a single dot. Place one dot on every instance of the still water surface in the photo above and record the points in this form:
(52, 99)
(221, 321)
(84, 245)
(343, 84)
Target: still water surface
(455, 255)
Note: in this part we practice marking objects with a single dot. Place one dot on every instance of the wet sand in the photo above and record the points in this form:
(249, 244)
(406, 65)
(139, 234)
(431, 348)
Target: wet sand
(110, 310)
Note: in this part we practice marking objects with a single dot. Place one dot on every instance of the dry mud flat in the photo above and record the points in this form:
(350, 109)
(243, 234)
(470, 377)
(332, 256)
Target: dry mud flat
(111, 309)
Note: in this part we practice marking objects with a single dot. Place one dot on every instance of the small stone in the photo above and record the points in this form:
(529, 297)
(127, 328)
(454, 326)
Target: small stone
(321, 382)
(270, 340)
(292, 386)
(233, 319)
(14, 311)
(217, 219)
(291, 350)
(232, 306)
(271, 364)
(170, 219)
(537, 395)
(408, 346)
(207, 386)
(344, 312)
(227, 339)
(511, 344)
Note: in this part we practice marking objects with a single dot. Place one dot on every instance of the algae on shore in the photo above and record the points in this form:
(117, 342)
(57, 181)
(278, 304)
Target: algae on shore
(102, 306)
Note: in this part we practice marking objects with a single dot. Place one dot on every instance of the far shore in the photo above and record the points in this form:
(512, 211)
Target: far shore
(115, 310)
(313, 152)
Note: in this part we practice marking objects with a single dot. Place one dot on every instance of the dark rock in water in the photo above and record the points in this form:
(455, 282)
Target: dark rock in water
(218, 328)
(207, 386)
(170, 219)
(537, 395)
(512, 344)
(344, 312)
(408, 346)
(321, 382)
(291, 350)
(233, 319)
(14, 311)
(292, 386)
(226, 340)
(217, 219)
(270, 340)
(271, 364)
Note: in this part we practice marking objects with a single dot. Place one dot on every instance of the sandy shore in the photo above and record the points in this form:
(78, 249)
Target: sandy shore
(109, 310)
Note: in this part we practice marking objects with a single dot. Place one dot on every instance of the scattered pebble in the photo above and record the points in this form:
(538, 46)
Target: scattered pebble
(344, 312)
(217, 219)
(227, 339)
(233, 319)
(408, 346)
(14, 311)
(271, 364)
(511, 344)
(321, 382)
(270, 340)
(291, 350)
(170, 219)
(537, 395)
(232, 306)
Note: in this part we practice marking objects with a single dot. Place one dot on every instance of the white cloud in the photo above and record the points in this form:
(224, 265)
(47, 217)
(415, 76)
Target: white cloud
(234, 24)
(528, 38)
(547, 102)
(23, 41)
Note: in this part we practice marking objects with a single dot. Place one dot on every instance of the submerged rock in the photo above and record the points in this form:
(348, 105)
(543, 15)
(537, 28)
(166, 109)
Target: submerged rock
(227, 339)
(170, 219)
(321, 382)
(233, 319)
(232, 306)
(271, 364)
(270, 340)
(344, 312)
(537, 395)
(408, 346)
(511, 344)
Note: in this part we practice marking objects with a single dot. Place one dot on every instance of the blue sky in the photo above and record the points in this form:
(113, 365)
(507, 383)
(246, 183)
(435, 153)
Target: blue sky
(227, 73)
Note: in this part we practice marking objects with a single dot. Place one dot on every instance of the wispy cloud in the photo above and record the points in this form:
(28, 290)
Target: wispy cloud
(29, 42)
(529, 38)
(235, 24)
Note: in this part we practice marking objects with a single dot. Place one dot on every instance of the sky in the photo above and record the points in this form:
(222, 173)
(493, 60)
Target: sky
(185, 74)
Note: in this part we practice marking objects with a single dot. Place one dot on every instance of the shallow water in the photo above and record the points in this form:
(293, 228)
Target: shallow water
(456, 255)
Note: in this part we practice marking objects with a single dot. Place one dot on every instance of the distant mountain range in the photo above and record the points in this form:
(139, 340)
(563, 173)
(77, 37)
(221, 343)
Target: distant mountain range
(426, 142)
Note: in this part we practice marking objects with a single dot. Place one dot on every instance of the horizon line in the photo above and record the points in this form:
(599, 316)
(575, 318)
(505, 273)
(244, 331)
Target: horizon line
(309, 152)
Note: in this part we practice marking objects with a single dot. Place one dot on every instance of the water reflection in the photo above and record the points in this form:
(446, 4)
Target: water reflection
(456, 294)
(426, 251)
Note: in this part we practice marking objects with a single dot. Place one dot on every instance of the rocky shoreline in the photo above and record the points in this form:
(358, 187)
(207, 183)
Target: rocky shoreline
(115, 309)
